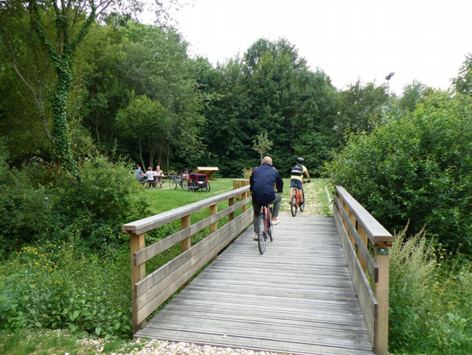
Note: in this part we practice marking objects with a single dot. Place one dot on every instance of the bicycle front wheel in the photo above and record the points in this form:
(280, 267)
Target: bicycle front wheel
(185, 184)
(302, 205)
(293, 205)
(173, 184)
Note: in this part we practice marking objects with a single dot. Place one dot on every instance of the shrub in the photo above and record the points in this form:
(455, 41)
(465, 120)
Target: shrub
(416, 166)
(41, 201)
(429, 312)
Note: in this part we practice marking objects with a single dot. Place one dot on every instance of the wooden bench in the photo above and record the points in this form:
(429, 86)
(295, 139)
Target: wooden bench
(155, 183)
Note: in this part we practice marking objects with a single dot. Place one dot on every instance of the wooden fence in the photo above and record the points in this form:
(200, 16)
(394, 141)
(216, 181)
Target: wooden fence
(149, 292)
(361, 235)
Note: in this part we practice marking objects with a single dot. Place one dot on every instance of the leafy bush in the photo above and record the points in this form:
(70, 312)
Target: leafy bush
(429, 312)
(53, 286)
(418, 167)
(41, 201)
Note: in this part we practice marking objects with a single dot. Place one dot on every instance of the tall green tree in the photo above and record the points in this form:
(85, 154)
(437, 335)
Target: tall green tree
(412, 93)
(361, 106)
(463, 82)
(146, 122)
(157, 65)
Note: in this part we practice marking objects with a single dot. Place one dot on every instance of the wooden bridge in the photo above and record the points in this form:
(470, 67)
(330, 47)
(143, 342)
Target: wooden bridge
(310, 293)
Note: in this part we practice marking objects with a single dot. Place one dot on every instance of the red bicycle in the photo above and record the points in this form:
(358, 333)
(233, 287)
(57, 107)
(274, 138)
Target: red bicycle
(268, 232)
(295, 203)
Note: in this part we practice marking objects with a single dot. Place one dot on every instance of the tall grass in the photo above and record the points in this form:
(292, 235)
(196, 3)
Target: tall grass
(430, 292)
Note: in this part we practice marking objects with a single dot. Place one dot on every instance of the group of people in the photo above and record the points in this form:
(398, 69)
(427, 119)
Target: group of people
(262, 181)
(151, 176)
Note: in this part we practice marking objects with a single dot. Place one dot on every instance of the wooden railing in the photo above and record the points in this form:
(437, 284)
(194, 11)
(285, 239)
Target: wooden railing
(361, 235)
(149, 292)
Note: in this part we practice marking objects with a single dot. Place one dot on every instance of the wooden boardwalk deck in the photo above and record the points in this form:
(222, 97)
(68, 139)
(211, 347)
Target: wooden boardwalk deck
(297, 298)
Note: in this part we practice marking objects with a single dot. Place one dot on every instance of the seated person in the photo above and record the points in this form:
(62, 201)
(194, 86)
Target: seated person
(139, 174)
(159, 173)
(150, 178)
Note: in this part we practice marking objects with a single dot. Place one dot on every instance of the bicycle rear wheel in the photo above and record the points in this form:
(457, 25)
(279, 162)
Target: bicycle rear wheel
(173, 184)
(261, 242)
(302, 205)
(293, 205)
(270, 230)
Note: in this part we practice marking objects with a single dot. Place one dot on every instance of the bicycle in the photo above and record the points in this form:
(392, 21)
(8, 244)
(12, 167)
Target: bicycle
(268, 232)
(175, 181)
(295, 201)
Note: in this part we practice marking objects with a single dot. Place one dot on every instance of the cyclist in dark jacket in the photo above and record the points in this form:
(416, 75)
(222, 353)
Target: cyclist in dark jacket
(262, 183)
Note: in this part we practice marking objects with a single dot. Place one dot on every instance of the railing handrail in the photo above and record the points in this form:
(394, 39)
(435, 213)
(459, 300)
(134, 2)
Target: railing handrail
(149, 292)
(146, 224)
(356, 227)
(374, 230)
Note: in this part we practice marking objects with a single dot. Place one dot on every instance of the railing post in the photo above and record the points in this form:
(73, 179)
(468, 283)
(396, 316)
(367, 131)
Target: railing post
(381, 291)
(138, 272)
(213, 226)
(365, 239)
(231, 215)
(244, 207)
(187, 242)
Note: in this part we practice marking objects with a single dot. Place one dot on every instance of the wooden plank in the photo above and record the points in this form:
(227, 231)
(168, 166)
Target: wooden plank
(146, 224)
(361, 247)
(197, 256)
(154, 249)
(137, 274)
(367, 299)
(374, 230)
(279, 332)
(161, 293)
(304, 305)
(256, 344)
(155, 277)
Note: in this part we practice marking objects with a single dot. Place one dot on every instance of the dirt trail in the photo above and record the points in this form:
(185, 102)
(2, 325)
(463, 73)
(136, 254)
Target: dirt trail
(313, 205)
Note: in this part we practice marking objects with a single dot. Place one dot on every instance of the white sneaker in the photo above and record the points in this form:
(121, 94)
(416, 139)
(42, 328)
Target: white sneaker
(256, 237)
(274, 223)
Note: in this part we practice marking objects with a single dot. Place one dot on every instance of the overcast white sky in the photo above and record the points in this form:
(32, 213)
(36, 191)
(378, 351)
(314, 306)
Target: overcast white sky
(425, 40)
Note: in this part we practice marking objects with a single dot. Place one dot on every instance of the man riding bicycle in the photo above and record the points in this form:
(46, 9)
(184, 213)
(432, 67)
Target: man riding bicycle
(296, 177)
(262, 182)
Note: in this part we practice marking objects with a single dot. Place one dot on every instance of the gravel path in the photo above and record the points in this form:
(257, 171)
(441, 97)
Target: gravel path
(157, 347)
(164, 347)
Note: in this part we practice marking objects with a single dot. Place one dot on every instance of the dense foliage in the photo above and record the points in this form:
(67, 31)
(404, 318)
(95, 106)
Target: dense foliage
(429, 310)
(41, 202)
(418, 167)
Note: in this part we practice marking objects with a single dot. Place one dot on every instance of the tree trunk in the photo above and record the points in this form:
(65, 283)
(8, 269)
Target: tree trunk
(59, 116)
(141, 154)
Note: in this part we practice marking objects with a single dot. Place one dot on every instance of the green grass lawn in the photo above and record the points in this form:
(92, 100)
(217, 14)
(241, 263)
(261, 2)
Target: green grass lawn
(165, 199)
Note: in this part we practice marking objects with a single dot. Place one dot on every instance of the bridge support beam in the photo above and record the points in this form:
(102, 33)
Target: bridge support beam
(138, 272)
(213, 226)
(382, 294)
(187, 242)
